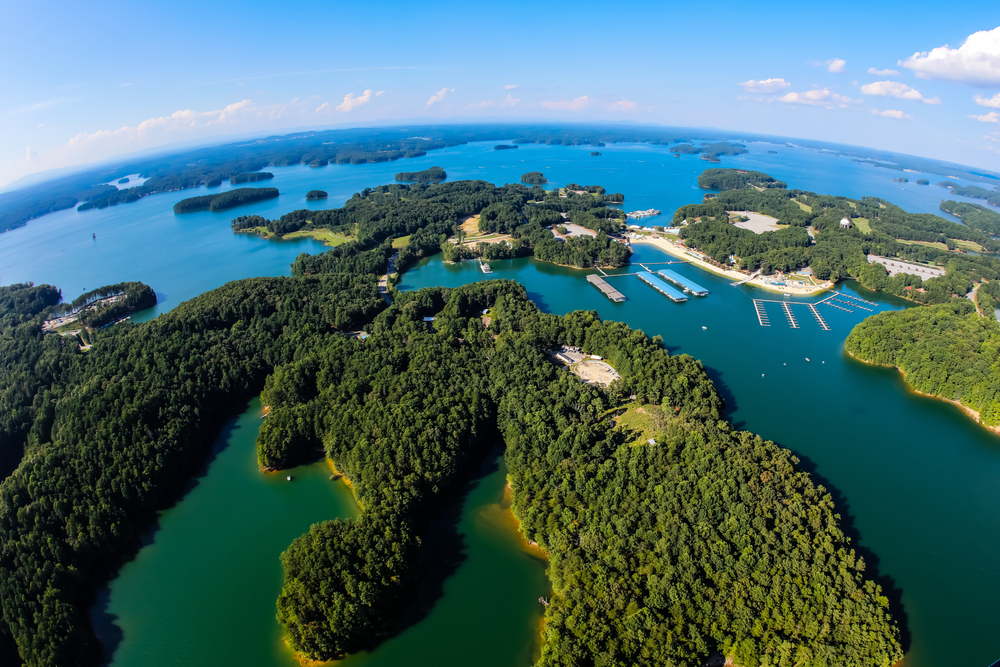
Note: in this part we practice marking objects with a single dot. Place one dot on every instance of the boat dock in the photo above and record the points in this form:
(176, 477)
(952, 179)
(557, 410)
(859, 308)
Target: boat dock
(661, 287)
(485, 267)
(686, 283)
(761, 313)
(791, 318)
(819, 318)
(607, 289)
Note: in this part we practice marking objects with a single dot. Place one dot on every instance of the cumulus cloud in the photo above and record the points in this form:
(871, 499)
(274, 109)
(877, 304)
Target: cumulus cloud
(883, 72)
(480, 105)
(835, 65)
(993, 102)
(510, 101)
(891, 113)
(322, 106)
(623, 105)
(976, 62)
(438, 96)
(764, 85)
(898, 90)
(352, 102)
(179, 121)
(821, 97)
(572, 105)
(510, 86)
(991, 117)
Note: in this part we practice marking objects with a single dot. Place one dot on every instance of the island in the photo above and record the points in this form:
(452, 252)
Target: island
(224, 200)
(901, 179)
(923, 181)
(734, 179)
(504, 147)
(316, 194)
(595, 153)
(432, 175)
(251, 177)
(534, 178)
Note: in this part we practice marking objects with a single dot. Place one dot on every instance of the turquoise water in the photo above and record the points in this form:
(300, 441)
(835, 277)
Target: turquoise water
(915, 479)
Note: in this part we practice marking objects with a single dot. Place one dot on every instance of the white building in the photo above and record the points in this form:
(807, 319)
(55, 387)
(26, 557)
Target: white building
(845, 223)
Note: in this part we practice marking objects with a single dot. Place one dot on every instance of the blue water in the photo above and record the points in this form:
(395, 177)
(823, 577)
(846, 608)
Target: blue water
(915, 478)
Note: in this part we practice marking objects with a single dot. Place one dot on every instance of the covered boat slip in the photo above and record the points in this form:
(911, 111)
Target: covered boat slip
(661, 286)
(688, 284)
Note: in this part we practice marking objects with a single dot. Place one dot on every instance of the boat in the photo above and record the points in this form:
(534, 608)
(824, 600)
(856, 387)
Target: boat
(289, 478)
(807, 358)
(704, 327)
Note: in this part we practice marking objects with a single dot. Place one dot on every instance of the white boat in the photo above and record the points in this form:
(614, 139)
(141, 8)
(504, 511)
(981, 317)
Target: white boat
(289, 478)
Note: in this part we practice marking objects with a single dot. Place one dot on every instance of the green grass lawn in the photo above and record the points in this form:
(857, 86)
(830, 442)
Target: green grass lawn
(637, 423)
(401, 242)
(863, 225)
(324, 235)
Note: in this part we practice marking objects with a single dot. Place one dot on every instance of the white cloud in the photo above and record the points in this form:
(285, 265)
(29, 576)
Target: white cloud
(822, 97)
(574, 105)
(623, 105)
(46, 104)
(764, 85)
(322, 106)
(883, 72)
(510, 86)
(976, 62)
(898, 90)
(891, 113)
(991, 117)
(31, 154)
(438, 96)
(835, 65)
(481, 105)
(380, 93)
(510, 101)
(352, 102)
(993, 102)
(992, 136)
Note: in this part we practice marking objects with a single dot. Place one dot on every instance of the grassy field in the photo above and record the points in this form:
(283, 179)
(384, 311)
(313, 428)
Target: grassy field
(324, 235)
(401, 242)
(637, 423)
(965, 245)
(471, 225)
(805, 207)
(863, 225)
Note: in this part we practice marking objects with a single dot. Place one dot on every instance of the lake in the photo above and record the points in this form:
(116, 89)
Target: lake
(915, 480)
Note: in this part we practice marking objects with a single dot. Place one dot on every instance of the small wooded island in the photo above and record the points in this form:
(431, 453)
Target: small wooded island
(316, 194)
(504, 147)
(534, 178)
(251, 177)
(224, 200)
(432, 175)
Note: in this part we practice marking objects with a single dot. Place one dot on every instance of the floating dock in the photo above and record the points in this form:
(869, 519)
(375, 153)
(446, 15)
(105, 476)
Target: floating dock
(661, 287)
(686, 283)
(608, 290)
(788, 313)
(761, 313)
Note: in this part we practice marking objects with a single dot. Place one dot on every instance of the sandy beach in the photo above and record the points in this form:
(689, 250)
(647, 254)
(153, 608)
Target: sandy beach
(681, 252)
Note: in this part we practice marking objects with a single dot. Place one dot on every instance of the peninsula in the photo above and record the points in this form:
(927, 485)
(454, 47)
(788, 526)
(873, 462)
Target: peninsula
(224, 200)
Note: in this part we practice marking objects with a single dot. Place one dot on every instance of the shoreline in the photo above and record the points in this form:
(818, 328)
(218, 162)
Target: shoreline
(965, 408)
(681, 253)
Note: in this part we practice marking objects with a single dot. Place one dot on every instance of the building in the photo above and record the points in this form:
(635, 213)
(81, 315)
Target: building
(845, 223)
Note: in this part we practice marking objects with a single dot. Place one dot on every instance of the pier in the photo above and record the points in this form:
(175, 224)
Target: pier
(485, 267)
(662, 287)
(687, 284)
(791, 318)
(607, 289)
(761, 313)
(819, 318)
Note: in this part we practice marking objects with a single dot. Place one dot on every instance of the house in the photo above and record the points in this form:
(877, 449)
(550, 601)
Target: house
(845, 223)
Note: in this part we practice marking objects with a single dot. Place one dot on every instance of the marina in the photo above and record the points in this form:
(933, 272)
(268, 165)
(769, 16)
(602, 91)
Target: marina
(662, 287)
(607, 289)
(688, 284)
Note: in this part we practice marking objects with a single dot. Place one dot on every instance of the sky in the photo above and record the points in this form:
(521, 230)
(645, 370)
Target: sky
(86, 82)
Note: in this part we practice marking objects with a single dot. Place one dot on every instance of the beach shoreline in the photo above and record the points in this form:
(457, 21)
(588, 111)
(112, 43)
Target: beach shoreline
(681, 252)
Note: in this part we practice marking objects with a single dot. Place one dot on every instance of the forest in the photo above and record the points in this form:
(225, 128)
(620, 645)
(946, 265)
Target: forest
(251, 177)
(710, 541)
(313, 195)
(534, 178)
(734, 179)
(431, 175)
(431, 213)
(992, 197)
(974, 215)
(947, 351)
(842, 253)
(224, 200)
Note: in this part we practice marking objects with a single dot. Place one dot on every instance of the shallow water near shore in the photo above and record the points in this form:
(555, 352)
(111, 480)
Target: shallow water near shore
(915, 479)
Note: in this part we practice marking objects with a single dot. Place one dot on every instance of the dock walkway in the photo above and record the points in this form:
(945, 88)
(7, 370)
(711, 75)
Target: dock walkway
(791, 318)
(607, 289)
(761, 313)
(662, 287)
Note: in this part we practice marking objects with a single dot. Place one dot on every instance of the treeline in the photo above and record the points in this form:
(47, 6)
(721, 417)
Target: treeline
(534, 178)
(316, 194)
(946, 351)
(974, 215)
(711, 540)
(251, 177)
(111, 431)
(992, 197)
(735, 179)
(432, 175)
(224, 200)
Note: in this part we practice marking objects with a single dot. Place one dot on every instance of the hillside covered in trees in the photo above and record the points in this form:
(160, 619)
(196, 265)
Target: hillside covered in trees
(431, 175)
(880, 228)
(947, 351)
(430, 214)
(224, 200)
(734, 179)
(659, 554)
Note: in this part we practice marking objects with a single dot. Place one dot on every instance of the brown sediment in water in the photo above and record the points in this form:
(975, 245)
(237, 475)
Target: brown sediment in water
(509, 520)
(965, 408)
(341, 477)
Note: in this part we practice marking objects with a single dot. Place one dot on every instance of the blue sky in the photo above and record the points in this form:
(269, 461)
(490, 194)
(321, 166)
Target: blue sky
(87, 82)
